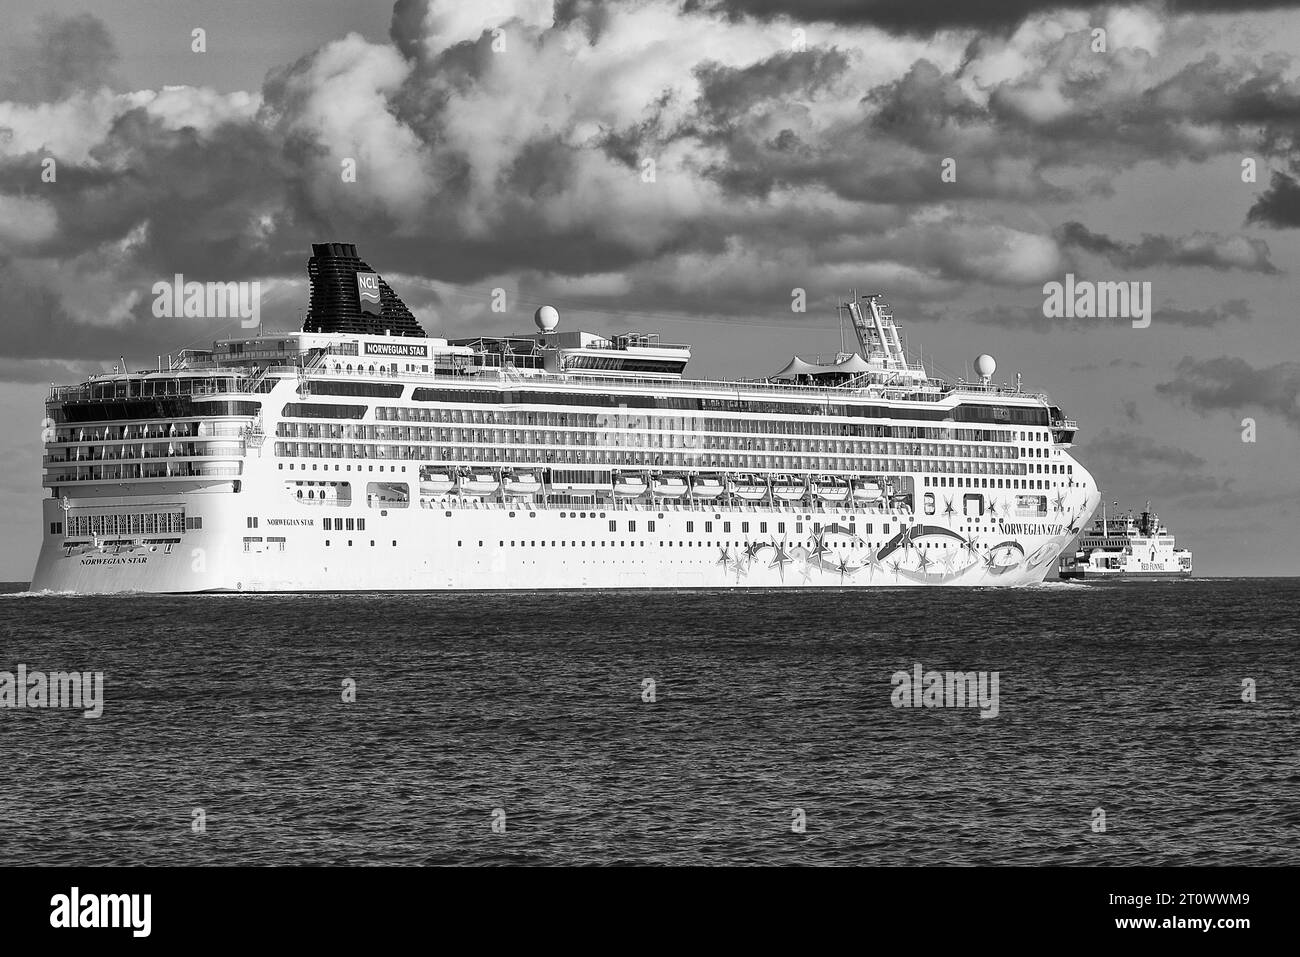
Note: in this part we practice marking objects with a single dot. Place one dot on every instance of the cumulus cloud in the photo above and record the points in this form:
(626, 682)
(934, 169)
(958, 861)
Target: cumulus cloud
(510, 142)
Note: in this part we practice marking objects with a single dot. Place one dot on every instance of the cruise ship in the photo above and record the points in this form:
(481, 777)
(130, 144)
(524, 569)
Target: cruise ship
(1127, 547)
(359, 453)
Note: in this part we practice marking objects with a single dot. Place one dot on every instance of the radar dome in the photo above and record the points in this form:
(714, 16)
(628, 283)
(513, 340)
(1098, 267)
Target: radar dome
(547, 318)
(985, 366)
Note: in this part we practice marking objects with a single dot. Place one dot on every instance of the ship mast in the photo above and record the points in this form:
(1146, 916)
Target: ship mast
(877, 334)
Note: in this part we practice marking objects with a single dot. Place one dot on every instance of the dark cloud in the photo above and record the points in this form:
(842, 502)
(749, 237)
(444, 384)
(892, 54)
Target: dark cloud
(1030, 318)
(1131, 412)
(1197, 250)
(66, 54)
(1231, 383)
(1233, 309)
(928, 16)
(406, 27)
(1279, 205)
(1137, 466)
(43, 330)
(727, 92)
(1138, 451)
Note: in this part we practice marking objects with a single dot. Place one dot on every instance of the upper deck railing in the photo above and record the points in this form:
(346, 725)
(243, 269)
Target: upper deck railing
(935, 389)
(248, 377)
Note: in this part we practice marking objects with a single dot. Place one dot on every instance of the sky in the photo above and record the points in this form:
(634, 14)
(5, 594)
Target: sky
(684, 168)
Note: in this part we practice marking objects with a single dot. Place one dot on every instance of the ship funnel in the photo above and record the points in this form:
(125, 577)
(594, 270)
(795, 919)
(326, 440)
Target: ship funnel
(347, 295)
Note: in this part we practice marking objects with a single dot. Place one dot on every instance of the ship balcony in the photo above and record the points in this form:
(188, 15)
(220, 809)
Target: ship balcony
(123, 470)
(234, 452)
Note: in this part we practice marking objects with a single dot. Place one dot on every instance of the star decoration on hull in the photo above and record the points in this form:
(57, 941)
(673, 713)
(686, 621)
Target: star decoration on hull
(781, 559)
(873, 563)
(819, 545)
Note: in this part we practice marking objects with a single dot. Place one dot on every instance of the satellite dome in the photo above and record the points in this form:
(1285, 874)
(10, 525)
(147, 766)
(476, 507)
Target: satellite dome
(547, 318)
(985, 366)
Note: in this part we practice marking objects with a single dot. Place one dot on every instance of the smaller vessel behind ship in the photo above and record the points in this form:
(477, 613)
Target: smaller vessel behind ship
(1126, 547)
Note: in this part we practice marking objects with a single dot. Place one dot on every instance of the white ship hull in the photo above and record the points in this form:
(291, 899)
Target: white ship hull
(534, 548)
(324, 460)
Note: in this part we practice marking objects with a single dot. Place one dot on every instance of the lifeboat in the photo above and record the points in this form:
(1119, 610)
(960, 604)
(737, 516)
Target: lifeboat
(788, 489)
(670, 486)
(705, 487)
(478, 483)
(751, 488)
(630, 485)
(832, 490)
(435, 483)
(866, 491)
(522, 483)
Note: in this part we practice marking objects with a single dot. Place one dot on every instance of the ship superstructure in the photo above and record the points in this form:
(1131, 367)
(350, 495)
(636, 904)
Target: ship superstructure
(1127, 547)
(362, 454)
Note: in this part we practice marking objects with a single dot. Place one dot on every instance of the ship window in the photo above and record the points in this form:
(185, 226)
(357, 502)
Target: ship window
(690, 526)
(650, 525)
(631, 526)
(744, 526)
(613, 526)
